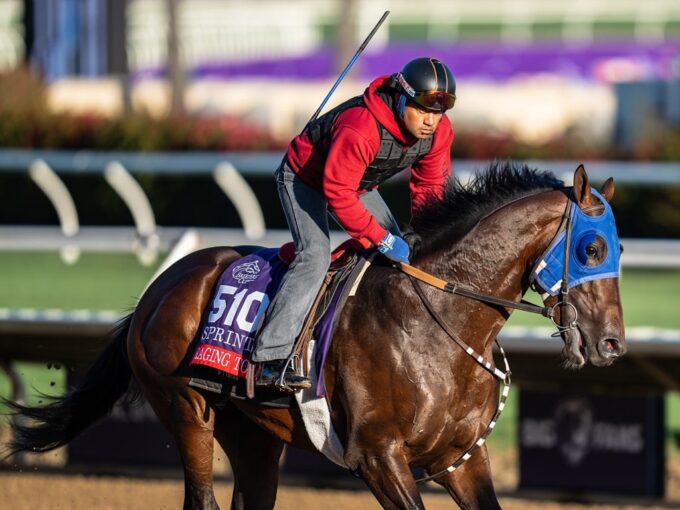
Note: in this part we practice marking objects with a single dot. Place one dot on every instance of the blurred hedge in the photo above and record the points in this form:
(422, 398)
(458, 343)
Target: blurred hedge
(482, 145)
(26, 122)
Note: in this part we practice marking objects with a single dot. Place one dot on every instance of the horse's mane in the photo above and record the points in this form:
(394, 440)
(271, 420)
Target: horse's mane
(463, 206)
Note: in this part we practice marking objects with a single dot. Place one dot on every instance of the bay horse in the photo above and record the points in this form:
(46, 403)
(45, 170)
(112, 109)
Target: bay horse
(402, 394)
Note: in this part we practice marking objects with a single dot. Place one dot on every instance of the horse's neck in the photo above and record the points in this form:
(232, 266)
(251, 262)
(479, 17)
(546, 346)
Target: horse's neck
(496, 257)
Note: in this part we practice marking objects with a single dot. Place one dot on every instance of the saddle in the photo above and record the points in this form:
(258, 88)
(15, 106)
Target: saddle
(342, 277)
(343, 259)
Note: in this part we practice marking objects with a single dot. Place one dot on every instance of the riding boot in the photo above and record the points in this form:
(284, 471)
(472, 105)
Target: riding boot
(275, 375)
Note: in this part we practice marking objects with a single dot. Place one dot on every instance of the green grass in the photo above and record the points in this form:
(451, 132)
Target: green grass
(504, 434)
(105, 281)
(41, 378)
(649, 298)
(99, 281)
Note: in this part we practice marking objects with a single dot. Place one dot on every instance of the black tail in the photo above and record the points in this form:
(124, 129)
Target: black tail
(65, 417)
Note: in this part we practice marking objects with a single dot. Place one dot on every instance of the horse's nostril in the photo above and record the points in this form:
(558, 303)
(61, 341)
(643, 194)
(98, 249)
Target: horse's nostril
(610, 348)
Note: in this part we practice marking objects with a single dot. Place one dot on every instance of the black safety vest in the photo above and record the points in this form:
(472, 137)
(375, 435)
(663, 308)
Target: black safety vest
(392, 156)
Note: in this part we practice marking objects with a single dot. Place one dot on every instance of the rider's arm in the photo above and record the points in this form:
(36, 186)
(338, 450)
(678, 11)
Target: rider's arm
(429, 175)
(354, 144)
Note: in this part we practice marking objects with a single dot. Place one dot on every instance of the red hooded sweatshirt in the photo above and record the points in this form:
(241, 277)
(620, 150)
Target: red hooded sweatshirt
(354, 143)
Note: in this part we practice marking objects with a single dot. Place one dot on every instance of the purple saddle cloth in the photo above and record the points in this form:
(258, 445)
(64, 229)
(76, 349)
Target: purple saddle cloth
(237, 307)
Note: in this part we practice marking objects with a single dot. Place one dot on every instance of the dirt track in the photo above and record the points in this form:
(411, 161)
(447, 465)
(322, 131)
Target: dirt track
(36, 491)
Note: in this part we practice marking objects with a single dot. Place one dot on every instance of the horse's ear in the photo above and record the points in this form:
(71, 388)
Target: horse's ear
(607, 189)
(581, 187)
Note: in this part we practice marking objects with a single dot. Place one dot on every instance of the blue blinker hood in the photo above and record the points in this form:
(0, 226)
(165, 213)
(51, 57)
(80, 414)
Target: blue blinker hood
(549, 270)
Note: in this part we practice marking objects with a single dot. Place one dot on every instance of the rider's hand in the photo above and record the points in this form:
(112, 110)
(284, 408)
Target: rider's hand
(394, 248)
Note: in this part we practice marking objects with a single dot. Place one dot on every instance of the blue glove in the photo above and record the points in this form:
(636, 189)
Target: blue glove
(394, 248)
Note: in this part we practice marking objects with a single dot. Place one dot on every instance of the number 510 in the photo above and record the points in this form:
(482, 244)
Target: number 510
(240, 307)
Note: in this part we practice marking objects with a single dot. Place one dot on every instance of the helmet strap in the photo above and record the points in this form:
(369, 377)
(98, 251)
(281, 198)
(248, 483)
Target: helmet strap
(401, 105)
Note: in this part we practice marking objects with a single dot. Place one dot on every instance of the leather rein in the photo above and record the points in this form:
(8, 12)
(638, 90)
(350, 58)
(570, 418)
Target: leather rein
(416, 276)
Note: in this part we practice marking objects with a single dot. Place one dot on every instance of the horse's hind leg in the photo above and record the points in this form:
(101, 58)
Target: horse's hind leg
(186, 414)
(254, 457)
(193, 428)
(471, 485)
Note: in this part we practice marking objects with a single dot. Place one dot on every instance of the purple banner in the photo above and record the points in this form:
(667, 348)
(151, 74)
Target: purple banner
(491, 61)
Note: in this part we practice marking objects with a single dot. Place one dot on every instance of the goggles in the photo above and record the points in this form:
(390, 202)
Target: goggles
(438, 100)
(434, 100)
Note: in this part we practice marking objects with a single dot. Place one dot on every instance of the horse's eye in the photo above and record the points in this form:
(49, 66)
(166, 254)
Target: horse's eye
(591, 249)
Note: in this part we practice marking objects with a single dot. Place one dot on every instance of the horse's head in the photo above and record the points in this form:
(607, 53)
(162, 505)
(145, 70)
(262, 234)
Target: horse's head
(579, 276)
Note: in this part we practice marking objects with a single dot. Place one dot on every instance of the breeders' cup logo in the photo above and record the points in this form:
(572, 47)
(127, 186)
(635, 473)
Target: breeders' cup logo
(246, 272)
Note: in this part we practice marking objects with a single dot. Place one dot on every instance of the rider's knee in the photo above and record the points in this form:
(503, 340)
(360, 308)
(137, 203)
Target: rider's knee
(315, 258)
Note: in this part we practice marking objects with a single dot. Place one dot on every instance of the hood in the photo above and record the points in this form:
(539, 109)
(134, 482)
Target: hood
(379, 99)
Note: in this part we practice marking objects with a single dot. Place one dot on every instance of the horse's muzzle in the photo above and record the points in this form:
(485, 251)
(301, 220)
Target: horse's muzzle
(610, 348)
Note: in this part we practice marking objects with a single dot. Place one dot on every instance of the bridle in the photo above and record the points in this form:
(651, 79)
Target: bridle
(563, 303)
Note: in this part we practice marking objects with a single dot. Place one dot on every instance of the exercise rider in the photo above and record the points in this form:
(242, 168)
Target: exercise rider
(335, 165)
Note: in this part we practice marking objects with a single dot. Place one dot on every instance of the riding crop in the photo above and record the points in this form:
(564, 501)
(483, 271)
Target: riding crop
(347, 68)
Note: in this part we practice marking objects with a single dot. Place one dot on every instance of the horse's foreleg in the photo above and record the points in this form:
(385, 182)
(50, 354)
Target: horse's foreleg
(254, 457)
(387, 474)
(471, 485)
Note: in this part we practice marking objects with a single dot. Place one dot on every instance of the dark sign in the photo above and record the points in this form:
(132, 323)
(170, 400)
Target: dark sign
(301, 462)
(592, 443)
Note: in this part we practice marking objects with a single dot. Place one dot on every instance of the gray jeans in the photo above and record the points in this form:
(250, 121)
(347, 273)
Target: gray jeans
(306, 211)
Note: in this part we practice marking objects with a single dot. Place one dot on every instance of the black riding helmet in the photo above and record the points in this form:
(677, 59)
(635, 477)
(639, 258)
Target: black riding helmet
(428, 82)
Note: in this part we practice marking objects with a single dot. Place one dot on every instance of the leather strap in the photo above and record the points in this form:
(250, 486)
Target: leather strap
(486, 365)
(454, 288)
(310, 320)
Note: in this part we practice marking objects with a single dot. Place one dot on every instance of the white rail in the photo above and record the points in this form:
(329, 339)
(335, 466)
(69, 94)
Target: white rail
(241, 195)
(133, 195)
(638, 253)
(146, 244)
(55, 189)
(228, 169)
